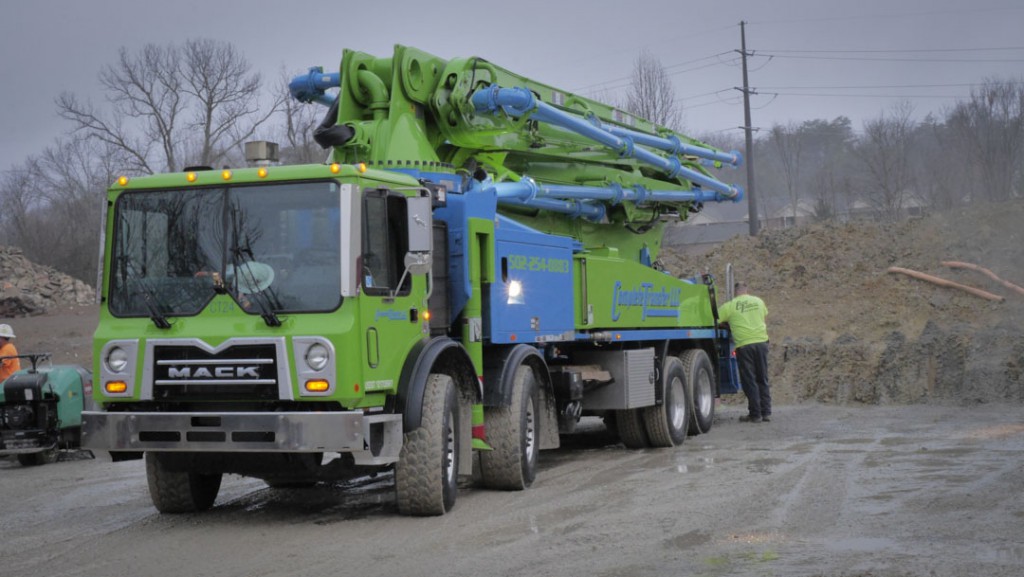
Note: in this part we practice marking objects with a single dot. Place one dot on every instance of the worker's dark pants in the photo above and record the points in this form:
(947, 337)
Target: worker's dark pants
(753, 361)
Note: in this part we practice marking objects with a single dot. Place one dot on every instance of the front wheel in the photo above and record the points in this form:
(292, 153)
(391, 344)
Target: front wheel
(179, 491)
(512, 433)
(426, 476)
(37, 459)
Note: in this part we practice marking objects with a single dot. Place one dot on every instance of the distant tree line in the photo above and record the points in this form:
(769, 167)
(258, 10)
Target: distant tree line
(197, 103)
(974, 151)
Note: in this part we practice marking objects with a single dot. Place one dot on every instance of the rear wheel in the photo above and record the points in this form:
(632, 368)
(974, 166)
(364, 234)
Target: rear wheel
(426, 476)
(700, 377)
(179, 491)
(667, 423)
(512, 433)
(630, 425)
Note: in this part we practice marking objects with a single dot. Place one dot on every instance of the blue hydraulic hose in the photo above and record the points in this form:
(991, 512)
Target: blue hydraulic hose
(520, 101)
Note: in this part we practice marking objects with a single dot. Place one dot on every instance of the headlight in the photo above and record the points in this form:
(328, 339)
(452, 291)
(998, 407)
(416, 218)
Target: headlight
(317, 357)
(515, 293)
(117, 360)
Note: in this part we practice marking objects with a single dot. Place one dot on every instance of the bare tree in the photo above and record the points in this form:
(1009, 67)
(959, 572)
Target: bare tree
(942, 183)
(173, 106)
(296, 131)
(18, 197)
(651, 95)
(51, 206)
(788, 144)
(991, 128)
(885, 157)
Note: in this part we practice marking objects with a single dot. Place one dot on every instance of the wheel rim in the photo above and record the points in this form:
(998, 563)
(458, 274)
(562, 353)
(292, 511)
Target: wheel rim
(449, 449)
(530, 433)
(704, 396)
(677, 406)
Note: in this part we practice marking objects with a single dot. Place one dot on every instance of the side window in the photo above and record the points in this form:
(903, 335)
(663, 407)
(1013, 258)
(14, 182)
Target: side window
(385, 242)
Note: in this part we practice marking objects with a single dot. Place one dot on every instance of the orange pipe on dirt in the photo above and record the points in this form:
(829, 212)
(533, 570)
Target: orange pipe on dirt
(946, 283)
(984, 271)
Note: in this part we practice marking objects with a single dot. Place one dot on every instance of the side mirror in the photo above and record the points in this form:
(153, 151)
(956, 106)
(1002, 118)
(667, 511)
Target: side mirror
(420, 225)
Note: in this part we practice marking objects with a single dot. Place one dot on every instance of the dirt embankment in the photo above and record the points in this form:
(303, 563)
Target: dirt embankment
(844, 330)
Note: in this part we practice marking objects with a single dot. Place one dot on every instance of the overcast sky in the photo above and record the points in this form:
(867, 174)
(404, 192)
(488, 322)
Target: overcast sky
(813, 58)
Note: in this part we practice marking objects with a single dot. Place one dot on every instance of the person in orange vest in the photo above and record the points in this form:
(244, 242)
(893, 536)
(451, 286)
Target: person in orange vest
(8, 366)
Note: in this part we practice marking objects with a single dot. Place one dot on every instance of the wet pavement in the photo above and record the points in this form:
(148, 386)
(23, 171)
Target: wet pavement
(821, 490)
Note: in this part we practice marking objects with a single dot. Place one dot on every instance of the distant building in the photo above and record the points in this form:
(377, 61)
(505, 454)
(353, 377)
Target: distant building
(788, 217)
(707, 229)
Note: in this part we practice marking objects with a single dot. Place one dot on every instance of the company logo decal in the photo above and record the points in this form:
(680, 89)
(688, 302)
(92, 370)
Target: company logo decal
(390, 315)
(662, 303)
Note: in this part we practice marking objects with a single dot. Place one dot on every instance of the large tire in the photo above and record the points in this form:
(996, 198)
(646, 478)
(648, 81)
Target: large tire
(426, 476)
(630, 425)
(179, 491)
(512, 433)
(667, 423)
(701, 378)
(37, 459)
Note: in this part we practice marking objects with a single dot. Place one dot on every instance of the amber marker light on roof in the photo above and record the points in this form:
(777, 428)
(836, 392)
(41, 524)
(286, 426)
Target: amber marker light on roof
(361, 167)
(262, 172)
(122, 181)
(191, 176)
(226, 175)
(115, 387)
(335, 168)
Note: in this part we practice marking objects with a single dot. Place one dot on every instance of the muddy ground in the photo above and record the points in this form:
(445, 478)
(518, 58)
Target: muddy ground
(895, 491)
(896, 450)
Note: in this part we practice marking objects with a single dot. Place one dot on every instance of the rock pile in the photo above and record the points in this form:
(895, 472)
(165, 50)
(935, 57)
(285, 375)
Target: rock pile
(27, 288)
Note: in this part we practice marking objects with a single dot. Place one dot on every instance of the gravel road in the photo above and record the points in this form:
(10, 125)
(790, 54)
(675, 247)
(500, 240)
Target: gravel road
(821, 490)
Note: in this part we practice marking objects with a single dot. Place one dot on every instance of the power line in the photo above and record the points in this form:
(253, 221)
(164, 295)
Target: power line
(616, 83)
(871, 59)
(876, 86)
(852, 95)
(901, 51)
(972, 11)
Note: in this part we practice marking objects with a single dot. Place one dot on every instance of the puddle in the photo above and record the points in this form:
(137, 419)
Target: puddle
(764, 465)
(864, 544)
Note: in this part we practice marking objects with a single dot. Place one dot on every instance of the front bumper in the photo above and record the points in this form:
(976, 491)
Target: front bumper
(371, 439)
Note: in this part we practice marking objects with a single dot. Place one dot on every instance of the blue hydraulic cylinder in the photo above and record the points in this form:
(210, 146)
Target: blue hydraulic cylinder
(313, 86)
(528, 193)
(673, 145)
(525, 193)
(520, 102)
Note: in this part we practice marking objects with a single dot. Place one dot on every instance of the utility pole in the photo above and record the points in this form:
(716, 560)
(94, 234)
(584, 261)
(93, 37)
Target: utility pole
(752, 218)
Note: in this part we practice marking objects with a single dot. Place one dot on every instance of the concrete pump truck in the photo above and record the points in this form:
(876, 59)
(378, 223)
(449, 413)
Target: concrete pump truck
(473, 270)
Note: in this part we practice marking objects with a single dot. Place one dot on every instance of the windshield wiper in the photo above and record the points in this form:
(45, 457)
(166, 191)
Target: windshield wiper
(149, 299)
(263, 297)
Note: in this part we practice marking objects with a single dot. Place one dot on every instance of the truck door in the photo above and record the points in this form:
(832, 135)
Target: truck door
(390, 313)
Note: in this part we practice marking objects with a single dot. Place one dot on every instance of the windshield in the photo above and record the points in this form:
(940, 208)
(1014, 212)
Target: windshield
(273, 248)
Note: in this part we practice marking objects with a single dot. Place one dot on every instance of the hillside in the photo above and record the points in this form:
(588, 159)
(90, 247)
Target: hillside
(843, 329)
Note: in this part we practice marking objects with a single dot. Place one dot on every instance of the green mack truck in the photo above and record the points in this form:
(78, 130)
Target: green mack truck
(473, 270)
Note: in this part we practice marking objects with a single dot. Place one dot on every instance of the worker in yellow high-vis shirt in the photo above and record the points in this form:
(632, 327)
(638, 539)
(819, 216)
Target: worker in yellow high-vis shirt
(745, 314)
